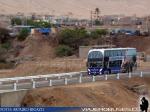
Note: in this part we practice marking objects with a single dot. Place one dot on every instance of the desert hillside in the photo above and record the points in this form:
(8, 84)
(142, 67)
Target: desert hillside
(123, 93)
(79, 8)
(37, 56)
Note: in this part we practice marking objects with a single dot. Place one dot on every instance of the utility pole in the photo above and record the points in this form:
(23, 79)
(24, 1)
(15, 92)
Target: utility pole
(148, 25)
(91, 18)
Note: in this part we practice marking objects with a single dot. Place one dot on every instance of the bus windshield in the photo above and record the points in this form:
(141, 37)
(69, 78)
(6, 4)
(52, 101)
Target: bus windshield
(95, 64)
(95, 56)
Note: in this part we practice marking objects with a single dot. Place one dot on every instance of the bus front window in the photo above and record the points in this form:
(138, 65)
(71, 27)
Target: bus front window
(95, 64)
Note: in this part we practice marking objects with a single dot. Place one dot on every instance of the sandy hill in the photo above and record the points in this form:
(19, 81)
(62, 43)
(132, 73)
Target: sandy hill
(79, 8)
(123, 93)
(141, 43)
(37, 56)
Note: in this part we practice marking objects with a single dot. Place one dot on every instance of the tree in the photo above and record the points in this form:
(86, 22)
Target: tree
(97, 12)
(72, 37)
(23, 34)
(98, 33)
(4, 35)
(98, 22)
(16, 21)
(38, 24)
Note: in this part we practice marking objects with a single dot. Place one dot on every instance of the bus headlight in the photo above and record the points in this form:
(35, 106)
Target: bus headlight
(100, 71)
(89, 71)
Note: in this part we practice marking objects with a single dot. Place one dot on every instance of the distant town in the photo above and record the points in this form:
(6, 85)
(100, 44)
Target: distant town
(128, 25)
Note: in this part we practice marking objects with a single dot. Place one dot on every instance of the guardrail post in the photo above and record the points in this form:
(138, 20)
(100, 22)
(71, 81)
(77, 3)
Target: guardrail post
(93, 78)
(15, 86)
(70, 76)
(50, 82)
(58, 77)
(17, 81)
(33, 84)
(32, 80)
(118, 76)
(80, 78)
(141, 75)
(66, 81)
(129, 74)
(106, 77)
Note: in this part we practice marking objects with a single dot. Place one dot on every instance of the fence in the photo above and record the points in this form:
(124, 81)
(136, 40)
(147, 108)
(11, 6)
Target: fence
(32, 82)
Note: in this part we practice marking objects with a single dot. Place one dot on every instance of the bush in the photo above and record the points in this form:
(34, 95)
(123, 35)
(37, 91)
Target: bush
(98, 22)
(98, 33)
(4, 35)
(38, 24)
(72, 37)
(6, 46)
(63, 50)
(16, 21)
(23, 34)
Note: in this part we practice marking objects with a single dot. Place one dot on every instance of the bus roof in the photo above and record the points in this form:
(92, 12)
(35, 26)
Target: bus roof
(102, 50)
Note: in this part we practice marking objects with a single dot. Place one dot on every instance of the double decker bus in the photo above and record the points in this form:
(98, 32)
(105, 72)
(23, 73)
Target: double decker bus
(111, 60)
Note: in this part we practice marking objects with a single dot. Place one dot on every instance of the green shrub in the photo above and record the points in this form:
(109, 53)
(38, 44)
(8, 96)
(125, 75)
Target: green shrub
(4, 35)
(16, 21)
(38, 24)
(6, 45)
(63, 50)
(23, 34)
(98, 22)
(72, 37)
(98, 33)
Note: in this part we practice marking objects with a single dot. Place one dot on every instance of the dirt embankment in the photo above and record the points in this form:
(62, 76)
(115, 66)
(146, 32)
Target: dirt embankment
(36, 46)
(36, 56)
(141, 43)
(121, 93)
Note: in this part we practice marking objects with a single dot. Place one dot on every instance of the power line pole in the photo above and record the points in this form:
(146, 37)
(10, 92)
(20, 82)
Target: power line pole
(91, 18)
(148, 25)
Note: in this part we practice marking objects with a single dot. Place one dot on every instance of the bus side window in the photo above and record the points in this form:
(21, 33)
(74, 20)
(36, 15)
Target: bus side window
(115, 63)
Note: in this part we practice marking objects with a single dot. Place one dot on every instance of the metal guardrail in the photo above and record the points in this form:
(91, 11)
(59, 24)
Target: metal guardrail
(40, 76)
(61, 79)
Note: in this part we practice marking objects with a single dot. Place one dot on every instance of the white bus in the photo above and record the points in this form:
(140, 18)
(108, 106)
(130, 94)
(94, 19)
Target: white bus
(111, 60)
